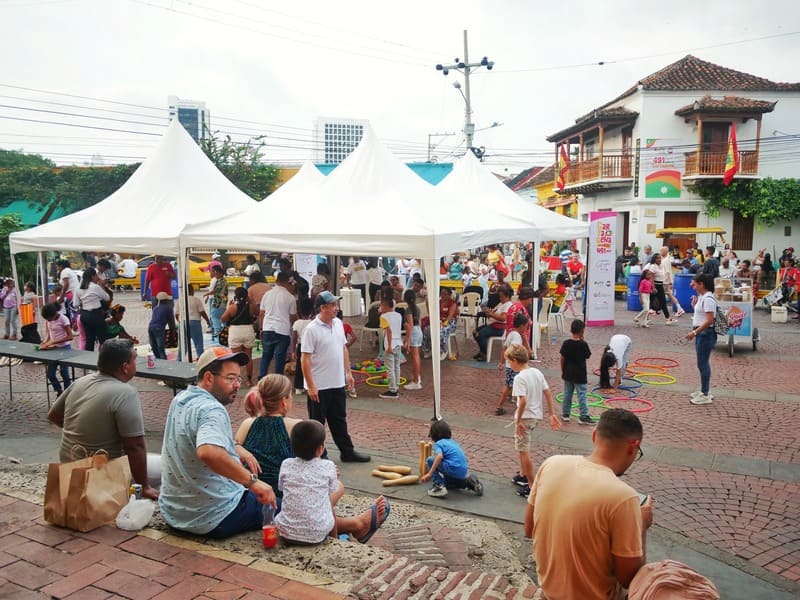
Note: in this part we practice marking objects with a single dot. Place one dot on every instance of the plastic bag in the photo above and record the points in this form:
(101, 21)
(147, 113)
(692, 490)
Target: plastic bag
(136, 514)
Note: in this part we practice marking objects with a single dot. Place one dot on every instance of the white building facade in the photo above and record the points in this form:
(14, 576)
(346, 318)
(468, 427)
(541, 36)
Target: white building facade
(193, 115)
(335, 139)
(641, 154)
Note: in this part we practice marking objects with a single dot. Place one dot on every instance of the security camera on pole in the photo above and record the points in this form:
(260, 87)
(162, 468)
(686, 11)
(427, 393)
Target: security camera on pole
(466, 67)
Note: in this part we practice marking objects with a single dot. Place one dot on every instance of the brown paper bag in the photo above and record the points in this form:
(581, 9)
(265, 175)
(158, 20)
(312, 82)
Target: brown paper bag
(97, 493)
(58, 478)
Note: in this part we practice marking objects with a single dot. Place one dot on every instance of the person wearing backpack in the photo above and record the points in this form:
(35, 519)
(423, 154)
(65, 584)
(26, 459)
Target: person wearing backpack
(703, 333)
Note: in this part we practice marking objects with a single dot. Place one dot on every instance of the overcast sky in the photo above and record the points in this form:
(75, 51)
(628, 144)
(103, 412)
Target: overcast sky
(276, 66)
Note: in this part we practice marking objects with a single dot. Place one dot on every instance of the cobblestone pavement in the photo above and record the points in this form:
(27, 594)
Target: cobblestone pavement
(725, 476)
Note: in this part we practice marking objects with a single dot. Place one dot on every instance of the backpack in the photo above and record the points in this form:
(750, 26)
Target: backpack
(721, 325)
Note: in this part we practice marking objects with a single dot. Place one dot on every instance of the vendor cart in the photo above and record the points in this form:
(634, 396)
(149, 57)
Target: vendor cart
(735, 298)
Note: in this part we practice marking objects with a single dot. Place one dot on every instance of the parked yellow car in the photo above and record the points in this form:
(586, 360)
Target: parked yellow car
(197, 276)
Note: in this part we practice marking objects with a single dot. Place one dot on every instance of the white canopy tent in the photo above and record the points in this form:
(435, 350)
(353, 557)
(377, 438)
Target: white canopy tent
(175, 185)
(374, 205)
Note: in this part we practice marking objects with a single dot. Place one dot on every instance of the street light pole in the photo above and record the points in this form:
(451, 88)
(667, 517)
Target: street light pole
(466, 68)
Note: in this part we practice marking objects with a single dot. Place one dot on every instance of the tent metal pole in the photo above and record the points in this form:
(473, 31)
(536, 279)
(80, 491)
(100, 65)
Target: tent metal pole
(535, 306)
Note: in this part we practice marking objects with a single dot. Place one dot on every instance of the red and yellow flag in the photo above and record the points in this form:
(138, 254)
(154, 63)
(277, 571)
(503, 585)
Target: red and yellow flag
(563, 167)
(732, 160)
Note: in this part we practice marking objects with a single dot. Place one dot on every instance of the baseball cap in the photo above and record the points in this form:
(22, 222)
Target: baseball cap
(220, 354)
(325, 298)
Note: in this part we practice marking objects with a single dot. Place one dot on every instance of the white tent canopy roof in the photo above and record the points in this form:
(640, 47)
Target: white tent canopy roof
(175, 185)
(482, 196)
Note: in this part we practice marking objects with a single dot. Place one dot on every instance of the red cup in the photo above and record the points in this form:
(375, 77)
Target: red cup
(269, 536)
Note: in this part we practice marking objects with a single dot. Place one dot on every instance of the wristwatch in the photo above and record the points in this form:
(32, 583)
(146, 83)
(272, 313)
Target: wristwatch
(251, 481)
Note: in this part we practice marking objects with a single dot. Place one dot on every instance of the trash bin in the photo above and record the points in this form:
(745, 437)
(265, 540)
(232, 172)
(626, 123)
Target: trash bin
(684, 291)
(634, 303)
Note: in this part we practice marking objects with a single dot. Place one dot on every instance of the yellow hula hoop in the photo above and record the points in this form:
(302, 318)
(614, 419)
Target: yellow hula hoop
(636, 370)
(668, 378)
(374, 381)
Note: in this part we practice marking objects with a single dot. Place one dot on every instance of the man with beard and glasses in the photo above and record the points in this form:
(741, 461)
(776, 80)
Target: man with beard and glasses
(209, 484)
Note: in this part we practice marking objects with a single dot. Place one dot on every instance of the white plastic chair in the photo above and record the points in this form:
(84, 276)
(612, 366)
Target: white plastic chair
(468, 312)
(558, 317)
(492, 341)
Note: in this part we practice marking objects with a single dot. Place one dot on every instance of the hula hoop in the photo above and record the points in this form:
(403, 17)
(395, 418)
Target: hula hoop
(669, 378)
(648, 406)
(575, 412)
(628, 371)
(636, 370)
(371, 381)
(639, 362)
(631, 391)
(632, 383)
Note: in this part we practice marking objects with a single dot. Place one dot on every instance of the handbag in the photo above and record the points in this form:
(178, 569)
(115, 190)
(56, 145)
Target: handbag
(222, 338)
(97, 493)
(86, 493)
(57, 486)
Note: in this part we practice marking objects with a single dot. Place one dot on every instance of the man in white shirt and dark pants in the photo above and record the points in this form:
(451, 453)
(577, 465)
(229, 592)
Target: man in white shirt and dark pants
(277, 313)
(326, 369)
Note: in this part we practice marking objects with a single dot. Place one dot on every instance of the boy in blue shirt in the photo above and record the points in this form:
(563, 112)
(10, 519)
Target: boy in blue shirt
(448, 466)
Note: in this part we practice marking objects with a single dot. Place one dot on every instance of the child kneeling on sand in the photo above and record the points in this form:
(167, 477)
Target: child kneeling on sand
(311, 489)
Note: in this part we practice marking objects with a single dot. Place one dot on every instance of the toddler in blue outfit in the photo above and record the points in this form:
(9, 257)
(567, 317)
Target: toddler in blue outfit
(448, 467)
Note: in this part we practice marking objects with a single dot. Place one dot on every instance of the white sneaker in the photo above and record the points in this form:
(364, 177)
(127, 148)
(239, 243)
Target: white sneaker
(696, 394)
(702, 399)
(680, 312)
(413, 386)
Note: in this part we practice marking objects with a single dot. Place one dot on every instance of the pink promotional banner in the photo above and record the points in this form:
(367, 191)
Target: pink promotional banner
(600, 269)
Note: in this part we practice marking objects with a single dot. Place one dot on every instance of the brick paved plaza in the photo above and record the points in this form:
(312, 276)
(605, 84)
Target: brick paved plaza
(725, 477)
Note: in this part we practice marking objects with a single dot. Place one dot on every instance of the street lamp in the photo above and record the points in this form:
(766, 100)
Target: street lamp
(465, 67)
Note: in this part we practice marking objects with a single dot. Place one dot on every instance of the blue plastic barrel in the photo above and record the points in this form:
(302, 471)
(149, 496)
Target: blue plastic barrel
(634, 303)
(684, 291)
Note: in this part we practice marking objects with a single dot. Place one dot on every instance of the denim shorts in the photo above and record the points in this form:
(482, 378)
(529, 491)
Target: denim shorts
(416, 337)
(509, 377)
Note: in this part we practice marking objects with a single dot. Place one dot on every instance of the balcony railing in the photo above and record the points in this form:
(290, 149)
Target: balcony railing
(701, 163)
(612, 167)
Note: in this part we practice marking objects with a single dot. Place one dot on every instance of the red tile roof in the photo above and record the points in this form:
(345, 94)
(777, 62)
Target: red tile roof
(522, 180)
(692, 73)
(727, 104)
(614, 115)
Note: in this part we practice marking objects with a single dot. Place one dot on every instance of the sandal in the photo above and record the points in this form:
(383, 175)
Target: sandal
(500, 411)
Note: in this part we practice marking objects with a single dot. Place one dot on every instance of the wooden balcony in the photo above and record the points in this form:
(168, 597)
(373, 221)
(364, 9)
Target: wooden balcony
(615, 167)
(702, 163)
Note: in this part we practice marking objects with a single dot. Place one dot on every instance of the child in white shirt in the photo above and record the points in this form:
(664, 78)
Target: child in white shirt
(392, 326)
(515, 336)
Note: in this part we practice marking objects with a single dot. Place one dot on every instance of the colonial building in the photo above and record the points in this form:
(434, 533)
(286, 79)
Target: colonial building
(641, 153)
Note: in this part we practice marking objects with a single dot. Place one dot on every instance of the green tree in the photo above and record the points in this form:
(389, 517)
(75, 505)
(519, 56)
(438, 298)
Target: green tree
(26, 263)
(14, 158)
(241, 163)
(768, 200)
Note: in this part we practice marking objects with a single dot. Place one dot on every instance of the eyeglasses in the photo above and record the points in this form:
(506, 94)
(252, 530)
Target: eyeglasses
(639, 454)
(230, 378)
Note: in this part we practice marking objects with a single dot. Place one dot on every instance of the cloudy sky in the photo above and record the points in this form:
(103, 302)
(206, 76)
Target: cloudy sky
(273, 67)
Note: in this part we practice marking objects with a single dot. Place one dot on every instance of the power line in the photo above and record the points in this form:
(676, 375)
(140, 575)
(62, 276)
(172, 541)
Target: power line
(271, 35)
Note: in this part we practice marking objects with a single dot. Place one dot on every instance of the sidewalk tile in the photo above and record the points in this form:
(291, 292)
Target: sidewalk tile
(76, 562)
(188, 589)
(75, 545)
(10, 590)
(225, 590)
(108, 534)
(132, 563)
(169, 575)
(194, 563)
(27, 575)
(261, 582)
(293, 590)
(148, 548)
(36, 553)
(130, 586)
(89, 593)
(46, 534)
(77, 581)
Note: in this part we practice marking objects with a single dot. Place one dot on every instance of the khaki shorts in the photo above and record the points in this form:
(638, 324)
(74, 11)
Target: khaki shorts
(241, 335)
(523, 442)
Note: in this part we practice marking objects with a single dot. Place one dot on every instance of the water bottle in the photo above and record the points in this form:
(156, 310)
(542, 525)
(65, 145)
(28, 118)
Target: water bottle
(268, 530)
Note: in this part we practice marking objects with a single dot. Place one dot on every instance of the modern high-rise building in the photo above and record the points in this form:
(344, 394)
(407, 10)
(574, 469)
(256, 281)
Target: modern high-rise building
(336, 138)
(192, 115)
